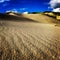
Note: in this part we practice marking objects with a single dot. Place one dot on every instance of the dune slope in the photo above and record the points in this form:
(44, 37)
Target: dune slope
(28, 40)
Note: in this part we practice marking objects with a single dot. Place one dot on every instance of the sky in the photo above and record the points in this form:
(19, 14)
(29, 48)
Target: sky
(29, 5)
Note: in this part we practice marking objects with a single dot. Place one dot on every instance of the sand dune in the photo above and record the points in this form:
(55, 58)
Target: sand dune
(28, 17)
(40, 18)
(27, 40)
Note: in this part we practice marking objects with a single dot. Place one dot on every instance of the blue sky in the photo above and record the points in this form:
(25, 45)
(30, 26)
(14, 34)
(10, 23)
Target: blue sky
(24, 5)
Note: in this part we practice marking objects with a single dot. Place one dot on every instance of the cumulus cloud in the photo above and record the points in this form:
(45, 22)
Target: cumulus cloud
(56, 10)
(1, 1)
(55, 4)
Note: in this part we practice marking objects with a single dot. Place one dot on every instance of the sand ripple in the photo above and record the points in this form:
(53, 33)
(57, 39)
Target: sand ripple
(29, 41)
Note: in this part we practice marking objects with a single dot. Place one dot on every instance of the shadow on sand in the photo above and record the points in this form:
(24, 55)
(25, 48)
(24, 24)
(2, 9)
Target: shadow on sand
(6, 17)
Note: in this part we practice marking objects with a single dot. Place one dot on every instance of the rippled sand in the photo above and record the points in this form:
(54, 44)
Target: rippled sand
(29, 41)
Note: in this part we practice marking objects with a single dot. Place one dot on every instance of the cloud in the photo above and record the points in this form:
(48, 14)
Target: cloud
(56, 10)
(20, 10)
(12, 10)
(25, 12)
(1, 1)
(55, 5)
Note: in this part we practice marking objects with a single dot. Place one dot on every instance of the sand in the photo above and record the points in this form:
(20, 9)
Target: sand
(28, 40)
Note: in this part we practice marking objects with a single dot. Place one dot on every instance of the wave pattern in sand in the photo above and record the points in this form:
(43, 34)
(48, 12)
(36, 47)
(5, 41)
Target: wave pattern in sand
(29, 41)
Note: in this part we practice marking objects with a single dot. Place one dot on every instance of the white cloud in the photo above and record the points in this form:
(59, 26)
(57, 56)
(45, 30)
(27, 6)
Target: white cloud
(12, 10)
(1, 1)
(25, 12)
(18, 10)
(56, 10)
(53, 3)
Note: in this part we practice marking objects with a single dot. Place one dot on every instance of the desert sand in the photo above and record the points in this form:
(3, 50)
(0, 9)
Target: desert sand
(32, 37)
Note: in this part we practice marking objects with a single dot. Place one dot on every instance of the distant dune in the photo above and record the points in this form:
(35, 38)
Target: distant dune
(28, 17)
(41, 18)
(55, 15)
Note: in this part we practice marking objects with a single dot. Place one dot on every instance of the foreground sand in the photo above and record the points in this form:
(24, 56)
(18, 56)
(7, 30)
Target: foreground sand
(29, 41)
